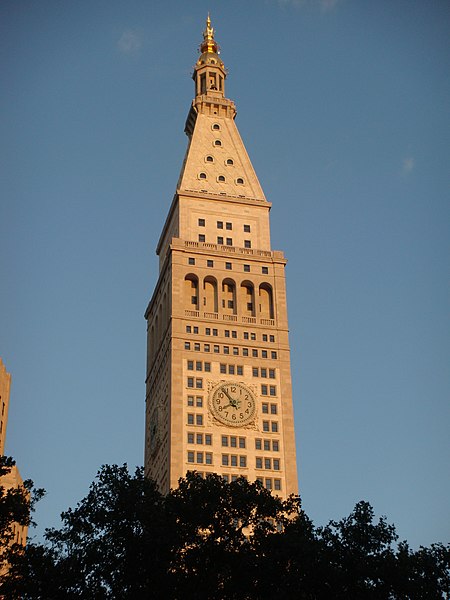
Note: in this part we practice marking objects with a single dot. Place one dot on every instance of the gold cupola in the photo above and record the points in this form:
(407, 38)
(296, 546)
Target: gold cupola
(209, 71)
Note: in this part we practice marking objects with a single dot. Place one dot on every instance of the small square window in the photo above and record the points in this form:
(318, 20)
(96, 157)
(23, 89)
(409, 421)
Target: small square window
(195, 329)
(193, 299)
(215, 332)
(265, 270)
(257, 444)
(226, 350)
(247, 228)
(208, 331)
(216, 349)
(201, 237)
(188, 329)
(225, 440)
(219, 224)
(255, 353)
(272, 338)
(234, 334)
(246, 268)
(240, 370)
(229, 241)
(206, 348)
(263, 372)
(197, 347)
(271, 373)
(209, 263)
(228, 266)
(273, 354)
(229, 225)
(191, 261)
(264, 337)
(199, 458)
(244, 351)
(220, 240)
(273, 390)
(253, 336)
(277, 484)
(263, 353)
(247, 243)
(208, 458)
(234, 460)
(245, 335)
(268, 484)
(227, 333)
(187, 345)
(235, 351)
(201, 222)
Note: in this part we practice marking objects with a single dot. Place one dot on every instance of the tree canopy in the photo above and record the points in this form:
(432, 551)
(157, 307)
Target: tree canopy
(211, 539)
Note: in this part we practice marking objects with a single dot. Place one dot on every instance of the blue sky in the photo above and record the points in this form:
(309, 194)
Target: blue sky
(343, 107)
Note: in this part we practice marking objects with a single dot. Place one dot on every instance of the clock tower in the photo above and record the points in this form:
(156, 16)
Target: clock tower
(218, 384)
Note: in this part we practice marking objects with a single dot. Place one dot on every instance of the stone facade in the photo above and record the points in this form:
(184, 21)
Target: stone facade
(218, 395)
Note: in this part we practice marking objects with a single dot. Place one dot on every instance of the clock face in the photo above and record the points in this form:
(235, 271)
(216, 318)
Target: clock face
(233, 404)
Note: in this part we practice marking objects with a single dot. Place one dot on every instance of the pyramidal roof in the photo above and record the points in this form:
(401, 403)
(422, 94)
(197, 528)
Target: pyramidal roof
(216, 161)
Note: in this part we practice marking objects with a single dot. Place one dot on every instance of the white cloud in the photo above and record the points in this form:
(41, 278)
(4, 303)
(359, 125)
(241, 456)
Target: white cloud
(130, 42)
(408, 165)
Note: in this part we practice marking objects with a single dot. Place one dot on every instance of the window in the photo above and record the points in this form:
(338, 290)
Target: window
(226, 349)
(228, 266)
(221, 178)
(209, 159)
(240, 370)
(193, 299)
(231, 369)
(214, 331)
(199, 438)
(208, 331)
(229, 241)
(230, 161)
(190, 457)
(190, 365)
(257, 444)
(226, 478)
(272, 338)
(224, 440)
(199, 458)
(199, 401)
(234, 460)
(199, 419)
(202, 176)
(198, 365)
(273, 354)
(247, 244)
(229, 226)
(275, 446)
(233, 441)
(264, 337)
(187, 345)
(273, 409)
(247, 228)
(219, 224)
(199, 384)
(241, 442)
(273, 390)
(263, 390)
(244, 351)
(216, 126)
(190, 400)
(197, 347)
(201, 222)
(255, 371)
(208, 439)
(271, 373)
(265, 270)
(223, 368)
(191, 261)
(265, 408)
(246, 268)
(225, 460)
(266, 426)
(239, 180)
(258, 463)
(260, 480)
(267, 463)
(201, 237)
(190, 382)
(209, 263)
(277, 484)
(268, 484)
(242, 461)
(188, 329)
(208, 367)
(274, 427)
(234, 334)
(267, 445)
(263, 353)
(276, 464)
(190, 419)
(216, 349)
(208, 458)
(206, 348)
(253, 336)
(245, 335)
(255, 353)
(263, 372)
(217, 143)
(190, 438)
(220, 240)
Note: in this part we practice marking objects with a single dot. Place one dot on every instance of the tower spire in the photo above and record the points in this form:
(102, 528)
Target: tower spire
(209, 44)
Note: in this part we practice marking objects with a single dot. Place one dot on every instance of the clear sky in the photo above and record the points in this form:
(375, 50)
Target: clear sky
(344, 109)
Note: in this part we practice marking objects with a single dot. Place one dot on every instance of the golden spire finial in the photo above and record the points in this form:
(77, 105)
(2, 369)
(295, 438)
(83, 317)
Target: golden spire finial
(209, 44)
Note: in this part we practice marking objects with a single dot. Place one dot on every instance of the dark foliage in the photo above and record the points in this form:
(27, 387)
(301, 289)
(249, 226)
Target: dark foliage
(209, 539)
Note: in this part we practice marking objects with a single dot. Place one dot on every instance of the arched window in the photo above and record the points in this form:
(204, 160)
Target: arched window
(216, 126)
(247, 299)
(209, 159)
(191, 292)
(221, 178)
(202, 176)
(217, 143)
(210, 300)
(229, 296)
(240, 180)
(266, 301)
(229, 161)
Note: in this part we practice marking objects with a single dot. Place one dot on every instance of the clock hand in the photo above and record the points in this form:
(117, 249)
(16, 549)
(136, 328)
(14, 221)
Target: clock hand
(227, 394)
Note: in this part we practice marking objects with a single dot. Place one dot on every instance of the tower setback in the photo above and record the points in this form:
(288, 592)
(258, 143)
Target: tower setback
(218, 384)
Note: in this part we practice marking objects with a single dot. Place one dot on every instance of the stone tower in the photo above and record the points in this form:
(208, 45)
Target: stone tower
(218, 385)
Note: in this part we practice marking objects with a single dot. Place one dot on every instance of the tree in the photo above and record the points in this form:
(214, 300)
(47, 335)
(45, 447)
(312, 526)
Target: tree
(210, 539)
